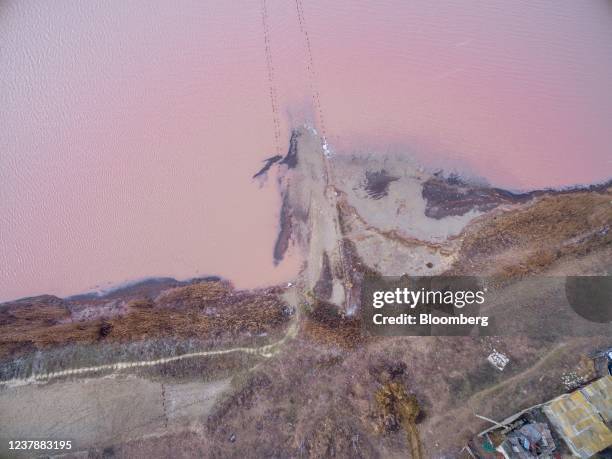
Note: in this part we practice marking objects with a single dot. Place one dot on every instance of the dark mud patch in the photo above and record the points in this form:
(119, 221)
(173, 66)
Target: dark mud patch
(451, 196)
(446, 196)
(291, 158)
(529, 239)
(269, 162)
(284, 234)
(150, 287)
(324, 286)
(376, 183)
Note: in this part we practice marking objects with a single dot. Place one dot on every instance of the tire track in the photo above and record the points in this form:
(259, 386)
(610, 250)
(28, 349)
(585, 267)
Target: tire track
(316, 97)
(270, 71)
(265, 351)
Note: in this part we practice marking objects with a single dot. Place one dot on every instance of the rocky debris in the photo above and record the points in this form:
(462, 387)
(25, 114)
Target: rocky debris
(498, 360)
(572, 380)
(97, 310)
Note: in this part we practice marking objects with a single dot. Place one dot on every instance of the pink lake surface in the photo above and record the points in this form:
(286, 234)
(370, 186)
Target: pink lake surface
(130, 130)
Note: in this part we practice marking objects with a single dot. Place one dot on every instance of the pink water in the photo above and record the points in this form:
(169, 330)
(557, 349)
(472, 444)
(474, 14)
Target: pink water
(130, 130)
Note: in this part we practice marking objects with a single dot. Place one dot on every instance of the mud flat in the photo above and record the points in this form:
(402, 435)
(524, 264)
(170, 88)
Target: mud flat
(402, 219)
(287, 371)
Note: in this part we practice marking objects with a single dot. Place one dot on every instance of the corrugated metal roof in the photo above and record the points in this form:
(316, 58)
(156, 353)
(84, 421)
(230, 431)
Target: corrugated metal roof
(599, 394)
(580, 417)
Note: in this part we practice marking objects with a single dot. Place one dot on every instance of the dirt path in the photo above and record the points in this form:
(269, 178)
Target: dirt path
(515, 379)
(265, 351)
(117, 406)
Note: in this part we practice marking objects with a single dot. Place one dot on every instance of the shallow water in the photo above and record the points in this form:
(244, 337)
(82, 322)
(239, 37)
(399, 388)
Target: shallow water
(515, 92)
(130, 131)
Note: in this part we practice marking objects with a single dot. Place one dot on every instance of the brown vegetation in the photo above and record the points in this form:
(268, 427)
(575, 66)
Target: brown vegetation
(326, 324)
(399, 408)
(251, 315)
(529, 239)
(196, 295)
(204, 310)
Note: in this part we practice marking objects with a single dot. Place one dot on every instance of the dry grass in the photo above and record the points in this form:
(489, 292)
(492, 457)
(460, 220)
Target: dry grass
(196, 295)
(33, 335)
(206, 310)
(529, 239)
(37, 323)
(326, 325)
(253, 315)
(398, 408)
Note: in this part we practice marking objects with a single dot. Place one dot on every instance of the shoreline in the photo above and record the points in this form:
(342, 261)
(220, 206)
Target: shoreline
(290, 350)
(445, 195)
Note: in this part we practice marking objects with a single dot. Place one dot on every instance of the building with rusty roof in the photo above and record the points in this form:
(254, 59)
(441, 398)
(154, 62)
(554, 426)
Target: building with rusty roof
(583, 418)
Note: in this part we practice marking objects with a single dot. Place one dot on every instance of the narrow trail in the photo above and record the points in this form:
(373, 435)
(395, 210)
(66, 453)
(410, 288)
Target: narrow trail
(316, 97)
(265, 351)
